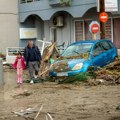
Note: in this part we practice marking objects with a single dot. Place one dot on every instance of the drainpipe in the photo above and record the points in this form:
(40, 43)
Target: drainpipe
(1, 72)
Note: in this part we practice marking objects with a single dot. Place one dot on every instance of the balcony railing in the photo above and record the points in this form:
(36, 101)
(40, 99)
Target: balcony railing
(28, 1)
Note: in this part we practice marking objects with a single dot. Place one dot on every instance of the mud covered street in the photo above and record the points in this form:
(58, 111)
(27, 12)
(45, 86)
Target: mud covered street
(63, 102)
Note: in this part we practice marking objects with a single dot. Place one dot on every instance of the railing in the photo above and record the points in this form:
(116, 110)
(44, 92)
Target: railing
(11, 52)
(42, 44)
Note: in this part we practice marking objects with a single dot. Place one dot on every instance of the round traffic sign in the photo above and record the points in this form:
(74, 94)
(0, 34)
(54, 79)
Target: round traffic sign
(103, 17)
(95, 28)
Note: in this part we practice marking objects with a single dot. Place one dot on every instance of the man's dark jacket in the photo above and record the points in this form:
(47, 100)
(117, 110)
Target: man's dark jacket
(36, 52)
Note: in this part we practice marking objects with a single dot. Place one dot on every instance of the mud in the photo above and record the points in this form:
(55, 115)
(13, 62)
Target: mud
(63, 102)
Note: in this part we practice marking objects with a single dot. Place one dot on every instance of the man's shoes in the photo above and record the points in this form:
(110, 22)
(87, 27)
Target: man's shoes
(31, 82)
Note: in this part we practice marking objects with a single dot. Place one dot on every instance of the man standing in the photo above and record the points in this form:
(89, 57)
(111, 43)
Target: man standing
(32, 57)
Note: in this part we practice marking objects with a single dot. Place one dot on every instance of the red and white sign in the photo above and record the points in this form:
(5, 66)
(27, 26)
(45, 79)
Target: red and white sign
(103, 17)
(95, 28)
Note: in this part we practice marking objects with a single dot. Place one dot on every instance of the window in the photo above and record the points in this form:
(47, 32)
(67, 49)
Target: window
(105, 46)
(27, 1)
(23, 1)
(82, 31)
(108, 28)
(111, 45)
(97, 50)
(78, 30)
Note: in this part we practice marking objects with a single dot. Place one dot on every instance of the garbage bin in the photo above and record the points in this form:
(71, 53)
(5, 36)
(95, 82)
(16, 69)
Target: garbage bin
(1, 72)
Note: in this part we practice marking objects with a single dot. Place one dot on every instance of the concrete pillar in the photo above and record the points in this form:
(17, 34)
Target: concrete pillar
(1, 73)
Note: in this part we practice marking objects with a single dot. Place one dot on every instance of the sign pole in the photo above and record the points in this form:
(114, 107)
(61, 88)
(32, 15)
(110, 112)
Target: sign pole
(95, 36)
(102, 24)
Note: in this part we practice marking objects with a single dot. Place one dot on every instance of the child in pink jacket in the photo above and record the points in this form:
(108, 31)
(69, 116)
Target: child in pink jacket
(19, 64)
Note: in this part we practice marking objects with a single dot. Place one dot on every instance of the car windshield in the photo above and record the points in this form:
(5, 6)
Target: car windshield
(76, 50)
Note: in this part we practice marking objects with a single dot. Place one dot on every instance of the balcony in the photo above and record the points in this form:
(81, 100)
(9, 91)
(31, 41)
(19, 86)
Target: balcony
(59, 3)
(45, 9)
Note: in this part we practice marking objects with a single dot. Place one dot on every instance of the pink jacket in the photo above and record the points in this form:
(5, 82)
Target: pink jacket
(22, 62)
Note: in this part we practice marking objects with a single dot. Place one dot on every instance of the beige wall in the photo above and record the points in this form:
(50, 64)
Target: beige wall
(9, 24)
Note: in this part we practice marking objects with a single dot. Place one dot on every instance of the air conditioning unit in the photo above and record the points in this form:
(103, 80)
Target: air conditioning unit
(58, 21)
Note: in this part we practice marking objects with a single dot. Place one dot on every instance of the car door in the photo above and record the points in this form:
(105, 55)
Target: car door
(98, 58)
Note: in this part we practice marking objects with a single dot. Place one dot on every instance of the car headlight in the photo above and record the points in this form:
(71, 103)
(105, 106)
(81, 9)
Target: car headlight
(78, 66)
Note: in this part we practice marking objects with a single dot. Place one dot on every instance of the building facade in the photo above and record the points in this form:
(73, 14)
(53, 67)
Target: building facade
(64, 21)
(9, 24)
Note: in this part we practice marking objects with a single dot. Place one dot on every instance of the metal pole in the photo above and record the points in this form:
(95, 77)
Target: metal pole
(1, 72)
(102, 25)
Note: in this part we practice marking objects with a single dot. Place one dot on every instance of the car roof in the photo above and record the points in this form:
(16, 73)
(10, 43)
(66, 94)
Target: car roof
(88, 41)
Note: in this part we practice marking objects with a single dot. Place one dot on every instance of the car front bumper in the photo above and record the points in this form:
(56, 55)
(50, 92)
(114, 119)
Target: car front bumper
(69, 73)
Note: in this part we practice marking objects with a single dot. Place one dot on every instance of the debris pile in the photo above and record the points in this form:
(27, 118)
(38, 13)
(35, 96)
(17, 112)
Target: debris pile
(61, 66)
(26, 114)
(110, 73)
(80, 55)
(50, 53)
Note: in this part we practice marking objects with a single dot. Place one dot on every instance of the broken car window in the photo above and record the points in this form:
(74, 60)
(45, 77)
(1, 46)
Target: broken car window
(97, 50)
(105, 45)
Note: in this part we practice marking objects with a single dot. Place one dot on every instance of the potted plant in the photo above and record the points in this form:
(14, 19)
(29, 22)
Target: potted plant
(66, 2)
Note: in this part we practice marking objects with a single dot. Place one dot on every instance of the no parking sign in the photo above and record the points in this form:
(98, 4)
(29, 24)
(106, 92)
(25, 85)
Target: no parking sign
(103, 17)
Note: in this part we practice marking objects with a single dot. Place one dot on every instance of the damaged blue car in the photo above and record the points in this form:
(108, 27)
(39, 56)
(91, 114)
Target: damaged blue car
(80, 56)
